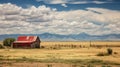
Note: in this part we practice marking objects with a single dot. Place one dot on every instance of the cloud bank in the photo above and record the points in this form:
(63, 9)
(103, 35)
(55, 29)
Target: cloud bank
(74, 1)
(36, 20)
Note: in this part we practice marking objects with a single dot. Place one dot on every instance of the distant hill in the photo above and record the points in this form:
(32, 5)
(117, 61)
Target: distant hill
(71, 37)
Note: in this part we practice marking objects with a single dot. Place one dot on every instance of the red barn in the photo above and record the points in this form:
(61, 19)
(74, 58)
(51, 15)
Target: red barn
(27, 42)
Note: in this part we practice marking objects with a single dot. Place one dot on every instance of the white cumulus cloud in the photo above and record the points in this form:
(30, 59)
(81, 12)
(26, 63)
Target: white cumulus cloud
(95, 21)
(64, 5)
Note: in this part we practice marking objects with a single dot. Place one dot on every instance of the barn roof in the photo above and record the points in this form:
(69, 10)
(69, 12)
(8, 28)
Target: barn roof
(26, 39)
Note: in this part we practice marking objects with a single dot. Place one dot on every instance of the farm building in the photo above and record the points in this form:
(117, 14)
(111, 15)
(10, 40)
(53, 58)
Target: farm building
(27, 42)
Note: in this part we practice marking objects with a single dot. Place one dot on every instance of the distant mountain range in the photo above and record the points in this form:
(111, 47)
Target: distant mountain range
(71, 37)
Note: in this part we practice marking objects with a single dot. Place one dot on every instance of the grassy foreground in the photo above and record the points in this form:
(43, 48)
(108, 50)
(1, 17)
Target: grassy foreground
(82, 56)
(76, 53)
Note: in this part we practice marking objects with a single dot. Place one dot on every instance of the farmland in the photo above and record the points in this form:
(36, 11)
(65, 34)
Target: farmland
(63, 53)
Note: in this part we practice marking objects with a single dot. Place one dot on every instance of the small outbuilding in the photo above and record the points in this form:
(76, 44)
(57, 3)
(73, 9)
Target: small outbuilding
(27, 42)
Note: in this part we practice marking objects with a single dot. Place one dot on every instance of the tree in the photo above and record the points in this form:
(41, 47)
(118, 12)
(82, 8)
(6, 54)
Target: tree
(8, 41)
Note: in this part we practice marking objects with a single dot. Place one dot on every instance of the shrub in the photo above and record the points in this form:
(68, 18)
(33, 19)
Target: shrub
(24, 57)
(115, 52)
(109, 51)
(8, 41)
(49, 65)
(42, 47)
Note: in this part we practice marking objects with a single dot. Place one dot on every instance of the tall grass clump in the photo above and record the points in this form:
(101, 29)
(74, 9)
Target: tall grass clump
(109, 52)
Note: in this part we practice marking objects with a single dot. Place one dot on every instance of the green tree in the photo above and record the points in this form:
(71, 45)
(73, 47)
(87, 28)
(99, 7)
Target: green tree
(8, 41)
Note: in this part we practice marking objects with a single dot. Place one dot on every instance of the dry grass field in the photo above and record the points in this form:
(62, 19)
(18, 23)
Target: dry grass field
(55, 54)
(83, 43)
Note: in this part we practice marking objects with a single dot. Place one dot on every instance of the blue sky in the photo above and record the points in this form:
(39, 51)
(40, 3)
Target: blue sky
(96, 17)
(72, 4)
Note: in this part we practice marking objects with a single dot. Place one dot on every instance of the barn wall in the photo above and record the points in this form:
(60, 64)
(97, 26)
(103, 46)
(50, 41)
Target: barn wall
(21, 45)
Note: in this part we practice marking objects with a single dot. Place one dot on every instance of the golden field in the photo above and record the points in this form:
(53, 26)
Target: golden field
(86, 43)
(83, 43)
(65, 52)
